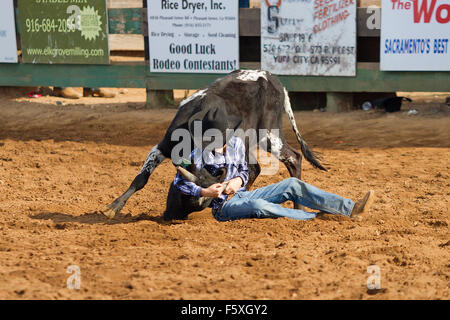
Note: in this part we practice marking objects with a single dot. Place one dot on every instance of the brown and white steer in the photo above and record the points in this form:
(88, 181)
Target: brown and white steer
(259, 99)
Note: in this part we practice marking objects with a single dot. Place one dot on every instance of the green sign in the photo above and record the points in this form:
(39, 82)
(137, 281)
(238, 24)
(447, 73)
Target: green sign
(64, 31)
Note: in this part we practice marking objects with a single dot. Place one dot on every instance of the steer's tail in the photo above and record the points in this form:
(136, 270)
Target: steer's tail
(307, 153)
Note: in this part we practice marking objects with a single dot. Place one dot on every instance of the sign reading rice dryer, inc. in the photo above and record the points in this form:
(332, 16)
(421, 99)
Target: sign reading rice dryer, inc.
(198, 36)
(309, 37)
(8, 46)
(415, 35)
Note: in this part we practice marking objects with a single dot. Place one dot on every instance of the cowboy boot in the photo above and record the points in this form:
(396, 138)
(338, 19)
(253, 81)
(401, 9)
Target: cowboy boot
(107, 93)
(102, 92)
(69, 93)
(362, 206)
(88, 92)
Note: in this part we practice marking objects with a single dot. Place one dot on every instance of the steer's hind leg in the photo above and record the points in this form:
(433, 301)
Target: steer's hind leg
(292, 159)
(293, 162)
(154, 158)
(254, 169)
(280, 149)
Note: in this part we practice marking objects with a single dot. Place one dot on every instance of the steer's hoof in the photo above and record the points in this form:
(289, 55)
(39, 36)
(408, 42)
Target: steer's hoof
(110, 213)
(112, 209)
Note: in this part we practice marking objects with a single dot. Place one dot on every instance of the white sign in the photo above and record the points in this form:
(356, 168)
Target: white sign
(415, 35)
(309, 37)
(8, 46)
(198, 36)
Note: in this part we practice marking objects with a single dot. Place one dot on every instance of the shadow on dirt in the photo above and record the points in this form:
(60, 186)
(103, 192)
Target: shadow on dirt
(97, 218)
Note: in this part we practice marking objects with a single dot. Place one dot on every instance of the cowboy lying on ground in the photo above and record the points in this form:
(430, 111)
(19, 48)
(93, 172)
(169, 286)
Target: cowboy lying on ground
(235, 202)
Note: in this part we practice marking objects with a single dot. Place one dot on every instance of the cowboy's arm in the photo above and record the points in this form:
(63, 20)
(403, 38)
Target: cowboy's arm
(185, 186)
(192, 189)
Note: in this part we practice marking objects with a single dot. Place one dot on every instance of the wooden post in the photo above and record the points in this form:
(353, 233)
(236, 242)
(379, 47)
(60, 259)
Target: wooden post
(339, 102)
(156, 99)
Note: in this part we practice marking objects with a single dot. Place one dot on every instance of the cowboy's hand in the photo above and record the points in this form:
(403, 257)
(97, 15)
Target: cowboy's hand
(213, 191)
(233, 185)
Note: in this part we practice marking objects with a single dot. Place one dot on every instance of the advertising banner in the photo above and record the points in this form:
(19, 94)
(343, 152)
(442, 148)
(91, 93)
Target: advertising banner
(64, 31)
(8, 46)
(309, 37)
(415, 35)
(198, 36)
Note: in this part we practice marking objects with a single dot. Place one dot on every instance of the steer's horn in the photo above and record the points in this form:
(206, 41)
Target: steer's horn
(187, 175)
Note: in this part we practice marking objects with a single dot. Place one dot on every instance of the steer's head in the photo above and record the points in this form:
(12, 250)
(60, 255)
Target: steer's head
(202, 177)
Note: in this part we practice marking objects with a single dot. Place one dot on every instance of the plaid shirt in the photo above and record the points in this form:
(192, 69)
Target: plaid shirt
(233, 160)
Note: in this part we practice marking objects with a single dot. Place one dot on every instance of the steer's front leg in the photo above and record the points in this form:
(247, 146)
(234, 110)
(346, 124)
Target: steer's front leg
(154, 158)
(138, 183)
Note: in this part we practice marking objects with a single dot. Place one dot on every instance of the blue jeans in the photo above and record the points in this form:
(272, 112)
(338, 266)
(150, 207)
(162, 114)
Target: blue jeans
(265, 202)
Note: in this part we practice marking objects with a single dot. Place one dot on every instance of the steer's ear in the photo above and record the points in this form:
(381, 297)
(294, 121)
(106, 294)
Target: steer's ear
(187, 175)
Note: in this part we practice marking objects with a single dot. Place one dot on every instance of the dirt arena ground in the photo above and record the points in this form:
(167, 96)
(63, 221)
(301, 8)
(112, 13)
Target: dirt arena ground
(61, 161)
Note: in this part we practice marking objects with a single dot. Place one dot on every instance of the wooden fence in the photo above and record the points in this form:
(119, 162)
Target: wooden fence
(137, 74)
